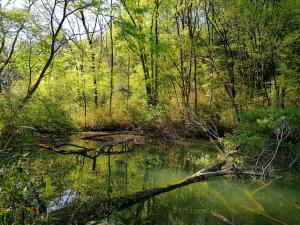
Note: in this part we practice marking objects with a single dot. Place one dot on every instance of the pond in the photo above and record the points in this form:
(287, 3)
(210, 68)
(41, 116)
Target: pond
(74, 178)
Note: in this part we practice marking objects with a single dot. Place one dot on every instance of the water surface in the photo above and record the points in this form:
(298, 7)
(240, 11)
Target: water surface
(70, 178)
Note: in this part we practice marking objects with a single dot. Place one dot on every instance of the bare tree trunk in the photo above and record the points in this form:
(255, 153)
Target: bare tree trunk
(111, 60)
(128, 83)
(157, 4)
(93, 67)
(90, 37)
(83, 92)
(195, 83)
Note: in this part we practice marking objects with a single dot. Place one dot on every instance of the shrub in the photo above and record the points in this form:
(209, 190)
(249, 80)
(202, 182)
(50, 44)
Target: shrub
(18, 197)
(258, 130)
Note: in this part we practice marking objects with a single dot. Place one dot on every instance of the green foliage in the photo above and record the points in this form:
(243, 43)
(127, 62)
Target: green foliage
(47, 116)
(152, 160)
(153, 118)
(42, 115)
(16, 16)
(171, 60)
(155, 114)
(258, 130)
(18, 202)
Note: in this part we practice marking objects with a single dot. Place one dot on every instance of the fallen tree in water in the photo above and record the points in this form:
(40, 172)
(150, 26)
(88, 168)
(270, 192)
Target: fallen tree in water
(105, 148)
(99, 208)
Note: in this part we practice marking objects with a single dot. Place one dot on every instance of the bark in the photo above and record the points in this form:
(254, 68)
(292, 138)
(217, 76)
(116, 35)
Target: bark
(157, 4)
(195, 83)
(111, 60)
(83, 93)
(90, 37)
(128, 84)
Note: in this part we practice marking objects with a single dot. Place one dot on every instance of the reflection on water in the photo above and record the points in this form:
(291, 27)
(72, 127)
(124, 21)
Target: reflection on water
(67, 197)
(74, 177)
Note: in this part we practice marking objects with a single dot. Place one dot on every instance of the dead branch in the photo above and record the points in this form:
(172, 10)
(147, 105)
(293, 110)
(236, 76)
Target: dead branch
(262, 153)
(295, 160)
(282, 133)
(104, 148)
(211, 131)
(221, 218)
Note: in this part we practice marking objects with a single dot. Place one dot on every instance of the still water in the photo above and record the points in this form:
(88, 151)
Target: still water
(72, 178)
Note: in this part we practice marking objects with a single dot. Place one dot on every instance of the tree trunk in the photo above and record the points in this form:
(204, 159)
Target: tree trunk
(195, 83)
(128, 84)
(111, 60)
(156, 48)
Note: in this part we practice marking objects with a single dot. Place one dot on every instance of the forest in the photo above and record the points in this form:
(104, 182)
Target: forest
(149, 112)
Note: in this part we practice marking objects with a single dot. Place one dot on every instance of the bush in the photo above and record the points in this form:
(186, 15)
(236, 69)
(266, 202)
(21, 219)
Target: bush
(153, 119)
(42, 115)
(46, 116)
(258, 130)
(18, 197)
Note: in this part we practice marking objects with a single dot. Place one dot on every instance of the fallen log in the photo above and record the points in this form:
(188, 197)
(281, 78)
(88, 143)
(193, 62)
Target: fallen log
(110, 144)
(66, 151)
(213, 168)
(97, 136)
(82, 152)
(104, 148)
(100, 208)
(129, 200)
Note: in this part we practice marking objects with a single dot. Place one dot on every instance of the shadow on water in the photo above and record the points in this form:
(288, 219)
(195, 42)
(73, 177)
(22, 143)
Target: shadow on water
(97, 185)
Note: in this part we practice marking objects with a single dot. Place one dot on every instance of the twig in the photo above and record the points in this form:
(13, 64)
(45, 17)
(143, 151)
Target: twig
(221, 218)
(295, 160)
(283, 133)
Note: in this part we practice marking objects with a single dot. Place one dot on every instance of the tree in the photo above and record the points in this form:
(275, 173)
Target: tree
(135, 31)
(57, 13)
(12, 22)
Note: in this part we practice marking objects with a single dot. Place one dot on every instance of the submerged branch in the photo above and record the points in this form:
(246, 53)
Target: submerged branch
(105, 148)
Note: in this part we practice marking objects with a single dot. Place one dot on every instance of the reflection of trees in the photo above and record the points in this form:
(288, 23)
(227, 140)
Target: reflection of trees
(111, 174)
(121, 175)
(171, 208)
(141, 205)
(151, 158)
(119, 178)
